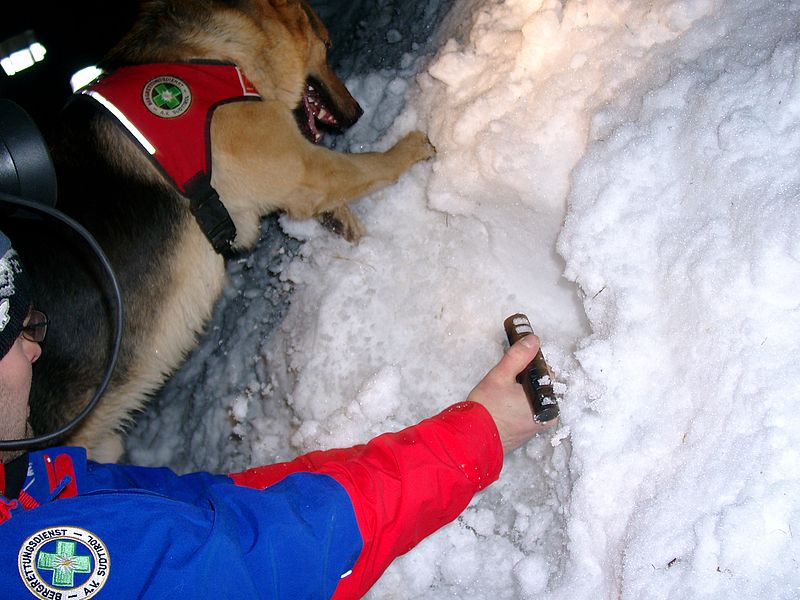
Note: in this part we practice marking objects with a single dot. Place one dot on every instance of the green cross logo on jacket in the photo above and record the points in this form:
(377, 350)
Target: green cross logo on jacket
(64, 563)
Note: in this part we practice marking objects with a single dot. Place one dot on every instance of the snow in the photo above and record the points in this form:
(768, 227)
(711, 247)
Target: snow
(625, 173)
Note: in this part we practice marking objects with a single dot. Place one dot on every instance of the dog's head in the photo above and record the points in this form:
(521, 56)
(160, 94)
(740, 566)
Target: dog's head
(281, 45)
(324, 101)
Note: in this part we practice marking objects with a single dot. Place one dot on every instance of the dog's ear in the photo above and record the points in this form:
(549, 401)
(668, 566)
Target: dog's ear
(316, 23)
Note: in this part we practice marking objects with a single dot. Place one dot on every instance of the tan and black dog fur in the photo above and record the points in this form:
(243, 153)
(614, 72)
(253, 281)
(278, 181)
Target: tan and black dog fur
(169, 274)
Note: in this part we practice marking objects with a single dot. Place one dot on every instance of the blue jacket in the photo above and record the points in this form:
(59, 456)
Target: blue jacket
(147, 533)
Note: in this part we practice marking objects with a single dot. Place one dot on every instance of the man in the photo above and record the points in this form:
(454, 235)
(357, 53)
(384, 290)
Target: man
(17, 347)
(326, 524)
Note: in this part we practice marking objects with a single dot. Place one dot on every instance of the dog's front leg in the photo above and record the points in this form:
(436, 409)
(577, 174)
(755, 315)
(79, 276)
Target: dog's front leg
(262, 163)
(333, 179)
(340, 220)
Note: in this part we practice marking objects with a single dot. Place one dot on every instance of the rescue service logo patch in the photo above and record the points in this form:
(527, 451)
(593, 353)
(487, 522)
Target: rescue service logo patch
(167, 96)
(63, 562)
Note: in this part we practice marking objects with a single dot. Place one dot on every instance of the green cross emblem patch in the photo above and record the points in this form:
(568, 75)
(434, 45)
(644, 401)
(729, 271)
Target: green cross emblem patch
(167, 95)
(64, 563)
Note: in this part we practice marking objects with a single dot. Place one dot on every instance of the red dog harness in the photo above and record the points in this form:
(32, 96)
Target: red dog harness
(167, 109)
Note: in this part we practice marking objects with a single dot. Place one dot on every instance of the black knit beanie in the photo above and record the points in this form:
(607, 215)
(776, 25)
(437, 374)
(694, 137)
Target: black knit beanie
(15, 295)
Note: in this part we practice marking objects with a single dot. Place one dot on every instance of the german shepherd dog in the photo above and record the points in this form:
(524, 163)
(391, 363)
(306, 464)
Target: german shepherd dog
(262, 159)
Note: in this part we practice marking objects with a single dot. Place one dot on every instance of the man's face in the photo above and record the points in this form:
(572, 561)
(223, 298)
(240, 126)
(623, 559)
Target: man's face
(15, 386)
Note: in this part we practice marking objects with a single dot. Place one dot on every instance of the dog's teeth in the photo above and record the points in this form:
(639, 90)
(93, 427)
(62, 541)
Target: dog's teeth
(322, 114)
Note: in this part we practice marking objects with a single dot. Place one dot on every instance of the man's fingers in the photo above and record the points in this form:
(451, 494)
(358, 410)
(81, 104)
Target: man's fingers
(517, 358)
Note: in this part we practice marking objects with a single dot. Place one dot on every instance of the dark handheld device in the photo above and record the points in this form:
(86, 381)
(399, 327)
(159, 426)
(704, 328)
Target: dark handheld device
(535, 379)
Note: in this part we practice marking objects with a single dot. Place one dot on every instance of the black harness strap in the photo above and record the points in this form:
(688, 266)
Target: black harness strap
(210, 214)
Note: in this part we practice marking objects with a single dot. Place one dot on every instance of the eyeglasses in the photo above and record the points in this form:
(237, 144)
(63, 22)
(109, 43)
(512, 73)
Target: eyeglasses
(35, 328)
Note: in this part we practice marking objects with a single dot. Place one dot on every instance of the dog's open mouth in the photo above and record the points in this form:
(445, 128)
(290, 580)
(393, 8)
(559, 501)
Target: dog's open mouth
(314, 113)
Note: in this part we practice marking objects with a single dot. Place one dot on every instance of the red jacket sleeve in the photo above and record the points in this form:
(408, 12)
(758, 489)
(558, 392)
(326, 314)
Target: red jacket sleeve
(404, 485)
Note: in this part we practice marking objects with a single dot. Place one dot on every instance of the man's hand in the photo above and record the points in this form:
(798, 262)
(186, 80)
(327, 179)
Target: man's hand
(503, 397)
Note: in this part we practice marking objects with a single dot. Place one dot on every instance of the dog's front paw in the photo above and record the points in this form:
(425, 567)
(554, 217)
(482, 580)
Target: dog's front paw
(414, 147)
(343, 222)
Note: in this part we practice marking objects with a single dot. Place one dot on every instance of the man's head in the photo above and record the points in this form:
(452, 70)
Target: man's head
(18, 351)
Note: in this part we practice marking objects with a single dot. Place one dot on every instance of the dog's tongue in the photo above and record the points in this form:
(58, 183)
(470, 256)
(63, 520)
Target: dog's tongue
(316, 111)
